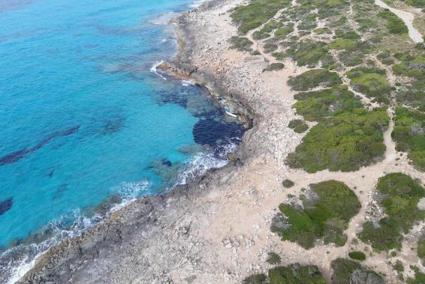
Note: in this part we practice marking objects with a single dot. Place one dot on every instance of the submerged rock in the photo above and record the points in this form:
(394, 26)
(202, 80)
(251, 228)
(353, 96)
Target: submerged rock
(5, 205)
(211, 132)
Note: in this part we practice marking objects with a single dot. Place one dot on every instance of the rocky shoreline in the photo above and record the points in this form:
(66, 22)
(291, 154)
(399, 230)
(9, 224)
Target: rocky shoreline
(64, 262)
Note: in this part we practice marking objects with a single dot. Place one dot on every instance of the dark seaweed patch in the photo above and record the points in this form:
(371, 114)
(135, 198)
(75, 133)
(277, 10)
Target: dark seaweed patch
(213, 133)
(5, 205)
(17, 155)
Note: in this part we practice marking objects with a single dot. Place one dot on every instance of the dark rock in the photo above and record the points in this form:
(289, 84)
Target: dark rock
(5, 205)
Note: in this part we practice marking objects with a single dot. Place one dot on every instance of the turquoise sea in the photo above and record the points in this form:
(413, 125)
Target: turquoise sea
(85, 123)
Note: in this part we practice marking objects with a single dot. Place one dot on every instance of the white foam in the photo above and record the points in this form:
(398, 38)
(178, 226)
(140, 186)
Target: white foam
(202, 162)
(197, 3)
(155, 70)
(186, 83)
(23, 257)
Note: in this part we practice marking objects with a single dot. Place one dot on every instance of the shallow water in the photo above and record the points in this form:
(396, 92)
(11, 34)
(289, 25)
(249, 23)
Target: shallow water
(84, 120)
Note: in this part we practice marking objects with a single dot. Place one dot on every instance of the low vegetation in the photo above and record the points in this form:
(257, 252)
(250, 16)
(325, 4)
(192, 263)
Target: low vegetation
(287, 183)
(394, 24)
(256, 13)
(344, 142)
(319, 105)
(357, 255)
(372, 82)
(313, 79)
(324, 215)
(409, 135)
(298, 125)
(292, 274)
(346, 271)
(398, 195)
(241, 43)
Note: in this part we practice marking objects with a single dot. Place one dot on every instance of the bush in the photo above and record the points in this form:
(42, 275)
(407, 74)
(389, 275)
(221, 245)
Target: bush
(275, 67)
(256, 13)
(394, 24)
(346, 271)
(357, 255)
(319, 105)
(241, 43)
(372, 82)
(313, 79)
(324, 216)
(409, 135)
(308, 53)
(288, 183)
(298, 125)
(344, 142)
(296, 274)
(399, 196)
(273, 258)
(256, 279)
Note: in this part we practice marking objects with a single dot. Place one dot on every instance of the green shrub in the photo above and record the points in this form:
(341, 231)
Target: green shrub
(421, 249)
(275, 67)
(344, 44)
(357, 255)
(419, 278)
(344, 142)
(273, 258)
(256, 279)
(282, 32)
(256, 13)
(409, 135)
(325, 216)
(372, 82)
(346, 271)
(308, 53)
(288, 183)
(318, 105)
(314, 78)
(399, 196)
(394, 24)
(298, 125)
(241, 43)
(296, 274)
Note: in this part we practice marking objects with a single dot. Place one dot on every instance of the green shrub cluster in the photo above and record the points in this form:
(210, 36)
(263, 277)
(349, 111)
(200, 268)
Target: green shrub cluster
(273, 258)
(411, 66)
(370, 81)
(319, 105)
(343, 142)
(298, 125)
(421, 249)
(256, 13)
(292, 274)
(313, 79)
(265, 31)
(399, 195)
(241, 43)
(346, 271)
(288, 183)
(309, 53)
(357, 255)
(409, 135)
(325, 215)
(394, 24)
(419, 278)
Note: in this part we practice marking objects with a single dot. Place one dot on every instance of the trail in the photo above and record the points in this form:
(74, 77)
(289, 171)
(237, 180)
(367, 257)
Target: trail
(407, 18)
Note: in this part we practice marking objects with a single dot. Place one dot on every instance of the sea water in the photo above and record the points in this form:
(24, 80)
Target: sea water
(84, 121)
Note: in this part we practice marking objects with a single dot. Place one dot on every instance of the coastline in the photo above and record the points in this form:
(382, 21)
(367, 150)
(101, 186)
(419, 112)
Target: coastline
(217, 229)
(143, 213)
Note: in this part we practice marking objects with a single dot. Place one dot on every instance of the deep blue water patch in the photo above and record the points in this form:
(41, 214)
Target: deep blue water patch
(215, 132)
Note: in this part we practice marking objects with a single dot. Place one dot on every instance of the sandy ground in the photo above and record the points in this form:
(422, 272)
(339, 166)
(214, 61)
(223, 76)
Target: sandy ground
(218, 231)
